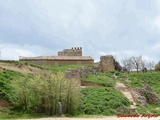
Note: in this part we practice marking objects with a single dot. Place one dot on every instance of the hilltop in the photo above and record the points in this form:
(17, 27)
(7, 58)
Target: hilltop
(110, 92)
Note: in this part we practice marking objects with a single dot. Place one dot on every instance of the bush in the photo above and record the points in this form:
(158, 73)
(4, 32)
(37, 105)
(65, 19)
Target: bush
(41, 93)
(157, 67)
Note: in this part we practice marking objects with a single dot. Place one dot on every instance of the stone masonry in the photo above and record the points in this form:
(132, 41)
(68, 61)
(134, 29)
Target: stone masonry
(77, 51)
(80, 72)
(67, 56)
(145, 95)
(106, 63)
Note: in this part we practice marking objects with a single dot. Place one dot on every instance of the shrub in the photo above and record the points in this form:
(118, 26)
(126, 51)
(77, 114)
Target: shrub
(41, 93)
(157, 67)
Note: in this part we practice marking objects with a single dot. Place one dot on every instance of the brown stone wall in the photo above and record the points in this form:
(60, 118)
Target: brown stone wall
(59, 62)
(77, 51)
(80, 72)
(107, 63)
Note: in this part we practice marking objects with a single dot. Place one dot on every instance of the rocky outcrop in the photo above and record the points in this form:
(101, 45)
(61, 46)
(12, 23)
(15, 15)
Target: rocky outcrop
(145, 95)
(139, 97)
(107, 63)
(118, 67)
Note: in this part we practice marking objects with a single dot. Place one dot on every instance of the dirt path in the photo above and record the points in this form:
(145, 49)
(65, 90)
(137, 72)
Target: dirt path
(126, 92)
(19, 67)
(103, 118)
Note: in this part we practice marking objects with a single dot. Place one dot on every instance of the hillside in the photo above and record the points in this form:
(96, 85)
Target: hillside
(113, 92)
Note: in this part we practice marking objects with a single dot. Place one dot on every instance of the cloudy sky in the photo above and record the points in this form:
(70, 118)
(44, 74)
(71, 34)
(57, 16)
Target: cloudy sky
(123, 28)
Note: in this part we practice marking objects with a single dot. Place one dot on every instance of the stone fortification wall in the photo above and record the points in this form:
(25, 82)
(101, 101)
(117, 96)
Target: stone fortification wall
(77, 51)
(58, 60)
(67, 56)
(106, 63)
(80, 72)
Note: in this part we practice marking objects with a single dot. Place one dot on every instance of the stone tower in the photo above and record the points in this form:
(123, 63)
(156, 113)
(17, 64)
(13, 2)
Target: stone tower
(77, 51)
(107, 63)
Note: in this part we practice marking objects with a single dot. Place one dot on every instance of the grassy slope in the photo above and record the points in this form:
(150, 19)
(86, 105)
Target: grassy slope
(99, 100)
(102, 100)
(150, 78)
(106, 79)
(5, 77)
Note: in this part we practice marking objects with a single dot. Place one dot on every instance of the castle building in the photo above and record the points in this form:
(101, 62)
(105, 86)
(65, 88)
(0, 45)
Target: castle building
(67, 56)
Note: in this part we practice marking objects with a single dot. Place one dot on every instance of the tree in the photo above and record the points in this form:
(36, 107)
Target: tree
(143, 65)
(150, 65)
(136, 61)
(157, 66)
(127, 63)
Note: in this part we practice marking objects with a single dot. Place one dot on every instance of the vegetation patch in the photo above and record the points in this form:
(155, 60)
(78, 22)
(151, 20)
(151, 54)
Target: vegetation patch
(150, 78)
(101, 80)
(6, 76)
(106, 79)
(101, 100)
(62, 68)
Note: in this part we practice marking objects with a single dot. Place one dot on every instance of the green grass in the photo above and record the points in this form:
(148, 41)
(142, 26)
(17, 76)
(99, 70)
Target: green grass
(105, 79)
(148, 109)
(95, 100)
(8, 114)
(103, 101)
(62, 67)
(150, 78)
(101, 80)
(139, 80)
(5, 77)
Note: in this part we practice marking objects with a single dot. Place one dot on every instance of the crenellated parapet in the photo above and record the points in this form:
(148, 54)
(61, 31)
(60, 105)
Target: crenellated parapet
(67, 56)
(74, 51)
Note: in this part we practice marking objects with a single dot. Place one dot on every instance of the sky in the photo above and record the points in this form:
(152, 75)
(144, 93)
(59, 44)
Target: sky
(122, 28)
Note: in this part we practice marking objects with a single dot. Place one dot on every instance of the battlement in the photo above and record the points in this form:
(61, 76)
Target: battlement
(74, 51)
(67, 56)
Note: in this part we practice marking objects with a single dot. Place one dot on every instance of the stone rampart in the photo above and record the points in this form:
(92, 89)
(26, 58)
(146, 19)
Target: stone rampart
(58, 60)
(80, 72)
(106, 63)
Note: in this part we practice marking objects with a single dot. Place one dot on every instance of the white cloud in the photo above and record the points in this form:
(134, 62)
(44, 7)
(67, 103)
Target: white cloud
(157, 22)
(101, 27)
(13, 51)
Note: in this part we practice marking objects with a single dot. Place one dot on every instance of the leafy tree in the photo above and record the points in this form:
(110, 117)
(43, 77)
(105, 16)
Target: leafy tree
(157, 66)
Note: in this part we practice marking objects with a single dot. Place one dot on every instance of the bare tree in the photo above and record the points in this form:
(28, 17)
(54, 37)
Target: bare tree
(136, 61)
(127, 63)
(143, 65)
(150, 65)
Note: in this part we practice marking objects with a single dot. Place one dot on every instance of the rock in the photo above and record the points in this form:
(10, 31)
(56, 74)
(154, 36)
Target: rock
(139, 97)
(152, 98)
(107, 63)
(145, 95)
(118, 67)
